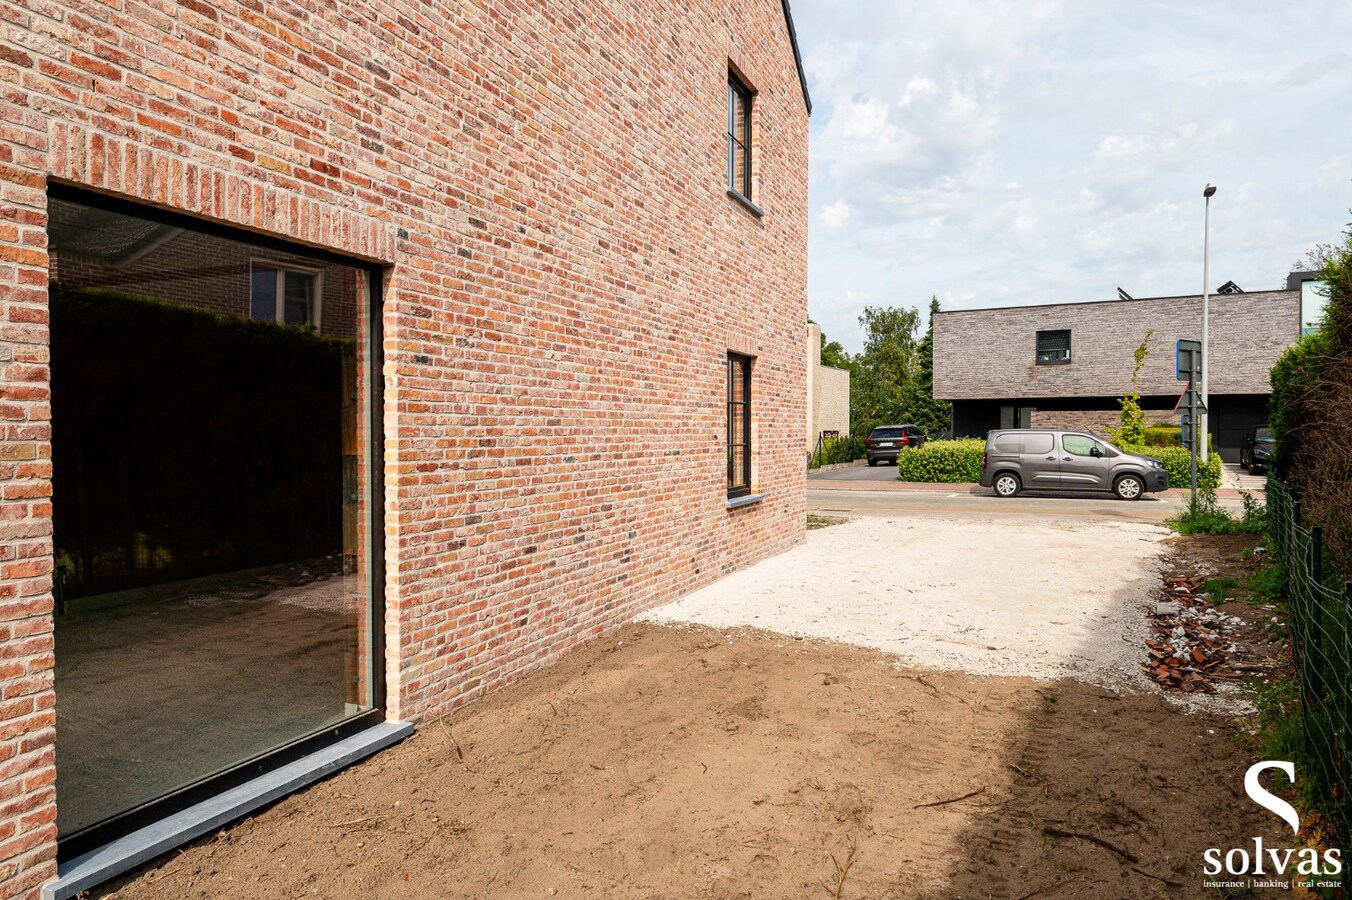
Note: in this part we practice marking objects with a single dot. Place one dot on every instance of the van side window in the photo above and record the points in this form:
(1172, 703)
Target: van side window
(1024, 442)
(1080, 445)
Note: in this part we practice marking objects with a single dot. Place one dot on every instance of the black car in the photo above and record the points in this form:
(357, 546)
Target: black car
(887, 441)
(1258, 449)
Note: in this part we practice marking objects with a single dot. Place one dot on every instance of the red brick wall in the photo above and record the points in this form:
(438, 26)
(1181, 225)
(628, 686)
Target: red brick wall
(545, 183)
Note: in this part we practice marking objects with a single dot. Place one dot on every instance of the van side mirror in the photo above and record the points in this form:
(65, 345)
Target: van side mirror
(1095, 451)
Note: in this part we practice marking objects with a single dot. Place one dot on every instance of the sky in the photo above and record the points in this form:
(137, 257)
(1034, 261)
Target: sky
(1041, 151)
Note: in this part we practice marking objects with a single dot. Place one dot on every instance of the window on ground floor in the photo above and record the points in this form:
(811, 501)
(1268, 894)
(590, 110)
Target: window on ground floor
(215, 522)
(739, 425)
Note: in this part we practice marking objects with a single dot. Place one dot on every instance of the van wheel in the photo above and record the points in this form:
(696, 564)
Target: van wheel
(1128, 487)
(1007, 484)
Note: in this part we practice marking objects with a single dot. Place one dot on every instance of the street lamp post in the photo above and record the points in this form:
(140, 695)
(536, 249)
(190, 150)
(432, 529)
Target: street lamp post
(1207, 192)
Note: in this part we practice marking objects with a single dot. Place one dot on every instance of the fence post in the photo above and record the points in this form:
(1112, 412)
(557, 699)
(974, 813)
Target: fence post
(1315, 616)
(1345, 708)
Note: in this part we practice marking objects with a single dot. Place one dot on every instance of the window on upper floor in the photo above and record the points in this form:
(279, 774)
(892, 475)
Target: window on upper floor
(739, 137)
(284, 294)
(1053, 347)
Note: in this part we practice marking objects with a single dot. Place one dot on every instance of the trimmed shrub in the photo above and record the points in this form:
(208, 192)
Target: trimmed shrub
(1163, 436)
(945, 462)
(1177, 462)
(959, 462)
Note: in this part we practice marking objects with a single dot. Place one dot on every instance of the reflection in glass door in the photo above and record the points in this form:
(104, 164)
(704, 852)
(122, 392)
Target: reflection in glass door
(211, 503)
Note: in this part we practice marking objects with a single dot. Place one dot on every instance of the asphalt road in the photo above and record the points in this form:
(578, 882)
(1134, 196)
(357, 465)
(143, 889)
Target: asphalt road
(845, 492)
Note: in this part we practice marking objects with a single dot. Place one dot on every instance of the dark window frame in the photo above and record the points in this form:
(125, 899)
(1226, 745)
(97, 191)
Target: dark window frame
(1044, 357)
(98, 834)
(739, 426)
(739, 144)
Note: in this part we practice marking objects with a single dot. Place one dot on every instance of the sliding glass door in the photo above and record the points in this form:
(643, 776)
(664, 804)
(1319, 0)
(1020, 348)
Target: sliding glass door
(213, 463)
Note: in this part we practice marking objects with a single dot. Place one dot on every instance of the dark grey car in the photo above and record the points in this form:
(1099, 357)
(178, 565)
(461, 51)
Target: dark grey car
(1021, 459)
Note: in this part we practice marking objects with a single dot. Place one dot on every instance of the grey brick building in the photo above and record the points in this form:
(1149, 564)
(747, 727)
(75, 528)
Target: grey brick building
(1064, 365)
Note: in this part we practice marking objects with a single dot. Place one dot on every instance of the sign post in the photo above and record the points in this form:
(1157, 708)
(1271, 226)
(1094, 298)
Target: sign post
(1188, 367)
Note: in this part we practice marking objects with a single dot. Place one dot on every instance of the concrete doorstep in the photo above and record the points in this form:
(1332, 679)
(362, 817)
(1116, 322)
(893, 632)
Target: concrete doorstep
(140, 847)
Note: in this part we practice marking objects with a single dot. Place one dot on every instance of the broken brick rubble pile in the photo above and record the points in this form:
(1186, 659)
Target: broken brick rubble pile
(1190, 648)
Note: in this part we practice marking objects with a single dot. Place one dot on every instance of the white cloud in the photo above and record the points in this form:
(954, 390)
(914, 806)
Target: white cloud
(834, 217)
(1050, 151)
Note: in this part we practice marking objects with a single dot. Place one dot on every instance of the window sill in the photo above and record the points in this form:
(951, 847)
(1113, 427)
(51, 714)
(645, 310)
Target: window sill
(1053, 362)
(746, 500)
(755, 210)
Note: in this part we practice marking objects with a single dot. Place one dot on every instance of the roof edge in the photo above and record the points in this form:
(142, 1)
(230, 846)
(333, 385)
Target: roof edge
(1247, 295)
(797, 55)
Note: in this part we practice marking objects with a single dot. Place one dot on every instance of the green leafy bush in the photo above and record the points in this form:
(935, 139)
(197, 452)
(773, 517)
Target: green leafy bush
(1163, 436)
(1176, 462)
(945, 462)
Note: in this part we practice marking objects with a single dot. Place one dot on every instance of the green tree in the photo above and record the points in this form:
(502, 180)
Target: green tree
(918, 397)
(882, 371)
(1132, 430)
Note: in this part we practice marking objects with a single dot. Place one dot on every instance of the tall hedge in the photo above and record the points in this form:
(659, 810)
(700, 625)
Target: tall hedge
(1310, 413)
(1178, 463)
(948, 462)
(187, 443)
(958, 462)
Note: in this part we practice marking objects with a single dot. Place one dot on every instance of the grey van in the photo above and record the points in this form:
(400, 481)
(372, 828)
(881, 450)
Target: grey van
(1066, 461)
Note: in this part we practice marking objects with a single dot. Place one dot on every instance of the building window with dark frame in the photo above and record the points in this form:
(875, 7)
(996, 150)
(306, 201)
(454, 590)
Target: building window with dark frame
(739, 137)
(284, 294)
(739, 425)
(1053, 348)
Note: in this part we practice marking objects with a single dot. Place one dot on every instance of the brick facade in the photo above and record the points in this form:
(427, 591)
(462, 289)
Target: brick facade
(544, 185)
(1094, 421)
(828, 392)
(990, 353)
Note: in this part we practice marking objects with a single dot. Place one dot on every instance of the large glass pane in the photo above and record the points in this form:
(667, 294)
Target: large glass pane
(211, 505)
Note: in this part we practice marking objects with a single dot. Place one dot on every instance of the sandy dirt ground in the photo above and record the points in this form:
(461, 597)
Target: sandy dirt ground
(689, 762)
(684, 761)
(1045, 600)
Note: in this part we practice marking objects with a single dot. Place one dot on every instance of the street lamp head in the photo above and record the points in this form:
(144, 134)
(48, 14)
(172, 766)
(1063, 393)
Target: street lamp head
(1208, 190)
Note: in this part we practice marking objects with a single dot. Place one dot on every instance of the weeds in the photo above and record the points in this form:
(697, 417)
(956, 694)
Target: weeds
(1218, 588)
(815, 521)
(842, 871)
(1205, 516)
(1269, 582)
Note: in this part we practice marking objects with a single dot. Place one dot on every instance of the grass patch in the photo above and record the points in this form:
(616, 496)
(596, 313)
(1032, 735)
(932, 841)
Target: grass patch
(1218, 588)
(815, 521)
(1205, 516)
(1269, 582)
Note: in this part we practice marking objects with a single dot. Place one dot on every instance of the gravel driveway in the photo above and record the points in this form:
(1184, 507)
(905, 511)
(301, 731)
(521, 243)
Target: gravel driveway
(988, 597)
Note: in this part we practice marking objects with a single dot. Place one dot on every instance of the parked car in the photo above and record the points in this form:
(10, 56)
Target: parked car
(887, 441)
(1258, 450)
(1023, 459)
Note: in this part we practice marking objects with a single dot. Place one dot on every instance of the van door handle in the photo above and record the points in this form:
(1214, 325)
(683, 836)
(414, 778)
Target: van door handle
(1052, 458)
(1065, 459)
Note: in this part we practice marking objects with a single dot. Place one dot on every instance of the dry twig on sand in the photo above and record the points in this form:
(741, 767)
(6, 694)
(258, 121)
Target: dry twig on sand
(1125, 854)
(950, 800)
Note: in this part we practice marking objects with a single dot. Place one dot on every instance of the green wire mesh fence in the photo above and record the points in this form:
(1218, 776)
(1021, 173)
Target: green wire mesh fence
(1321, 648)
